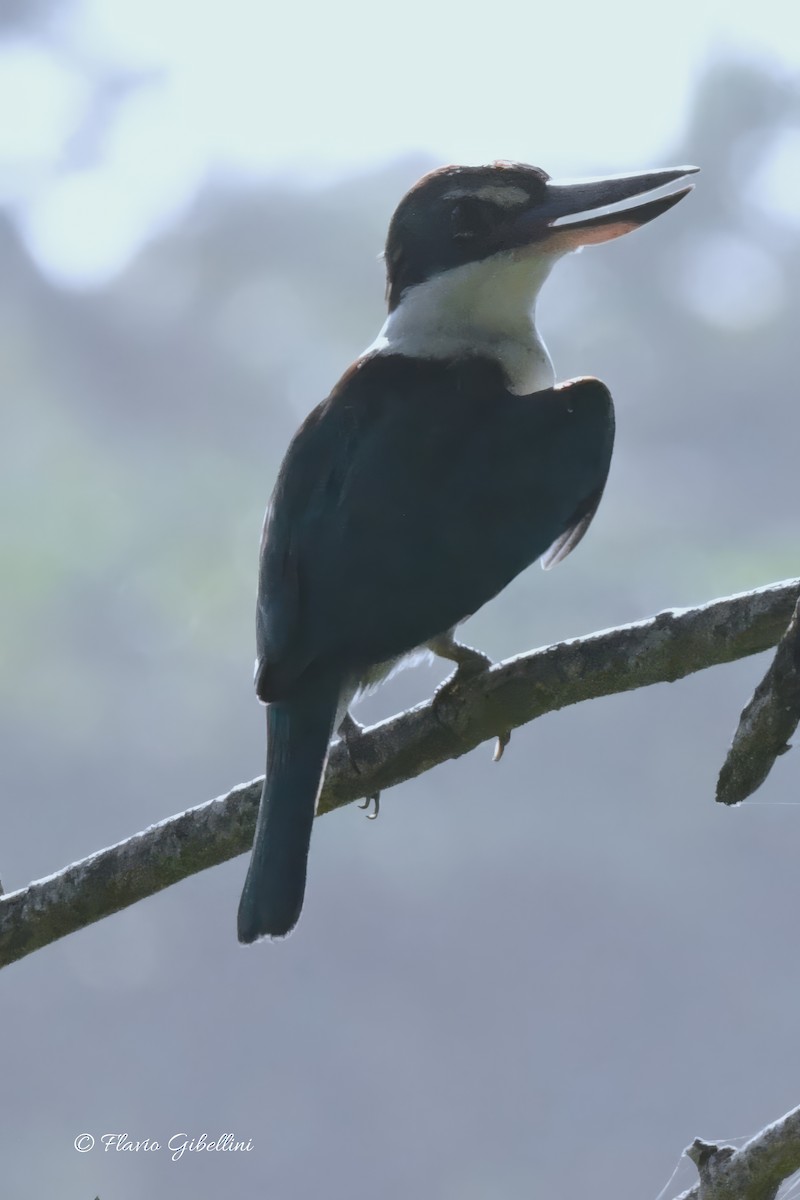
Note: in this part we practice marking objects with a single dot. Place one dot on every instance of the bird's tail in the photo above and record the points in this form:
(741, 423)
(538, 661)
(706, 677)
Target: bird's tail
(298, 733)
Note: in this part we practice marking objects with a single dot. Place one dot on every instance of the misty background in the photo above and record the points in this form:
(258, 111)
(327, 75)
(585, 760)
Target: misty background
(539, 978)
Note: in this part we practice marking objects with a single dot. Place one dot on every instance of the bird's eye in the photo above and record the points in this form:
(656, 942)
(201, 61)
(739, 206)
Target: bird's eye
(468, 218)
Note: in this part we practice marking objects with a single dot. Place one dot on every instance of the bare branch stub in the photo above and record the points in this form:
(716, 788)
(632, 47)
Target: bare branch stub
(755, 1172)
(767, 723)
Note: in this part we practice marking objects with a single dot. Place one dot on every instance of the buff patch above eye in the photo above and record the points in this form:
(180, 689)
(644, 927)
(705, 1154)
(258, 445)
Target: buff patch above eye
(503, 195)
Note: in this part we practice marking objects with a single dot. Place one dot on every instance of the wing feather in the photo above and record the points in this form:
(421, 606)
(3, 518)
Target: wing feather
(410, 498)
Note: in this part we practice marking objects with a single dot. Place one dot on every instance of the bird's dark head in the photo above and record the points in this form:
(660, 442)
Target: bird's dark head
(460, 215)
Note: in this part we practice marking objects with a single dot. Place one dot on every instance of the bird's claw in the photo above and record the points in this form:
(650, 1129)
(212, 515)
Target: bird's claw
(502, 741)
(375, 799)
(350, 728)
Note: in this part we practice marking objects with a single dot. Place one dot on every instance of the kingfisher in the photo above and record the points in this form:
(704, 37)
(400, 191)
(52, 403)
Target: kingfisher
(443, 463)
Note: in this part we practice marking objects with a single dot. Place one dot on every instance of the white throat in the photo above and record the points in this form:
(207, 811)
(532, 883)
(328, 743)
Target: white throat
(484, 308)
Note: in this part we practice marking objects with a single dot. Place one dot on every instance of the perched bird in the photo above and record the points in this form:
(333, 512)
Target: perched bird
(442, 464)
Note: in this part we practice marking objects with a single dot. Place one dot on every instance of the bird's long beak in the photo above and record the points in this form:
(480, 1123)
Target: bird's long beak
(550, 224)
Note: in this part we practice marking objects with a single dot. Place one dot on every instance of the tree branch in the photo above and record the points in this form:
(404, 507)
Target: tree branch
(665, 648)
(767, 722)
(755, 1172)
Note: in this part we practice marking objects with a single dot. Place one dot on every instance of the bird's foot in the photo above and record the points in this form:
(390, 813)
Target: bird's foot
(499, 747)
(375, 799)
(469, 663)
(468, 660)
(451, 687)
(350, 729)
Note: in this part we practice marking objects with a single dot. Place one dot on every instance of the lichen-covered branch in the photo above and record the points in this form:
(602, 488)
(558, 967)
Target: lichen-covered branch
(755, 1172)
(766, 723)
(667, 647)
